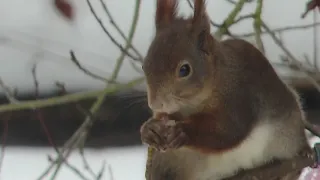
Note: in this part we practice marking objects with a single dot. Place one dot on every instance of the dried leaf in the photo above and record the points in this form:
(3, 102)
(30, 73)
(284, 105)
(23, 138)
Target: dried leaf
(311, 5)
(65, 8)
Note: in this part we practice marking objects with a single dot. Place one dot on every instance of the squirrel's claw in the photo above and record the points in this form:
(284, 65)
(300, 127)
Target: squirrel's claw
(176, 137)
(152, 133)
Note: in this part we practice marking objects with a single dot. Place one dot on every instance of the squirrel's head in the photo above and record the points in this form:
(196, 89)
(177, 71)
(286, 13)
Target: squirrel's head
(178, 65)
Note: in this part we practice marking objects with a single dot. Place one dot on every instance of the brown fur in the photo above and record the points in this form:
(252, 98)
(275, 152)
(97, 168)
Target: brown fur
(231, 91)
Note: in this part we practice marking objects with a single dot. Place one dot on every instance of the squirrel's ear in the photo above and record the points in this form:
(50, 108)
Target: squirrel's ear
(200, 20)
(165, 13)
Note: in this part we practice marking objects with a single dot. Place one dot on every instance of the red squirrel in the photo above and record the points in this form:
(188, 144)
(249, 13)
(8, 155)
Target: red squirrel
(218, 107)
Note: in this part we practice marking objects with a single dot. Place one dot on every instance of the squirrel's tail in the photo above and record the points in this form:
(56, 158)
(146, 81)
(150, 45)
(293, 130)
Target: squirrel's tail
(117, 122)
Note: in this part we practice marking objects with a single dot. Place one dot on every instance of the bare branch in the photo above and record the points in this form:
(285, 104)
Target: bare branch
(80, 135)
(35, 80)
(244, 18)
(109, 34)
(130, 39)
(86, 164)
(110, 172)
(101, 172)
(306, 57)
(257, 26)
(230, 19)
(116, 26)
(38, 112)
(66, 98)
(231, 1)
(279, 30)
(77, 63)
(8, 92)
(294, 60)
(74, 169)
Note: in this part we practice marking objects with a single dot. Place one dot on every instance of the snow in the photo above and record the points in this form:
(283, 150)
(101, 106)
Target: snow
(32, 31)
(29, 163)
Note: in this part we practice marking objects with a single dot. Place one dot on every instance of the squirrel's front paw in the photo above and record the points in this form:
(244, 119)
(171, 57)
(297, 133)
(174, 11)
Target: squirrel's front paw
(153, 133)
(175, 137)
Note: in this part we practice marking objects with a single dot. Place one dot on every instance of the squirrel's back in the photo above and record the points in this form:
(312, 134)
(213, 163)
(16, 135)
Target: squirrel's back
(246, 64)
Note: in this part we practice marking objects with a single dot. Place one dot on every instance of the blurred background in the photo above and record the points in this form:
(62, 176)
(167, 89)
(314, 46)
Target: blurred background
(71, 85)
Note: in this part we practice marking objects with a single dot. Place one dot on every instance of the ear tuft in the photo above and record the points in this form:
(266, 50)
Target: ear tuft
(200, 20)
(166, 11)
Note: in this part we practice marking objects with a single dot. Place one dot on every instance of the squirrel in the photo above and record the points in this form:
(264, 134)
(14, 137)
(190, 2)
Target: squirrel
(218, 106)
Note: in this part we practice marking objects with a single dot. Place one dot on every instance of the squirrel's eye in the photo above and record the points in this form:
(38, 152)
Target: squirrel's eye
(184, 70)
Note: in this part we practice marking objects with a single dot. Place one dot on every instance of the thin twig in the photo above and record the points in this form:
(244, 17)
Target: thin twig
(230, 19)
(306, 57)
(66, 151)
(281, 37)
(8, 92)
(63, 159)
(282, 29)
(81, 133)
(77, 63)
(211, 22)
(294, 60)
(130, 38)
(116, 26)
(63, 90)
(73, 169)
(76, 171)
(110, 172)
(257, 26)
(102, 170)
(108, 33)
(31, 104)
(37, 111)
(241, 18)
(231, 1)
(35, 80)
(72, 142)
(86, 164)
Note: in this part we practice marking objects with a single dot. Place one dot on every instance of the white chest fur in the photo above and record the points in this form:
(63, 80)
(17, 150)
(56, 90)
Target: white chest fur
(250, 153)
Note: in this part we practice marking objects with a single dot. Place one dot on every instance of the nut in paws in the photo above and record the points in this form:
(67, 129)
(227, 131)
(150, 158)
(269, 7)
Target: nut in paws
(163, 135)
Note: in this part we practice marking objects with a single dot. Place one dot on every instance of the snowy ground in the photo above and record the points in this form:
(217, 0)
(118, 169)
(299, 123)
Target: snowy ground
(29, 164)
(125, 163)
